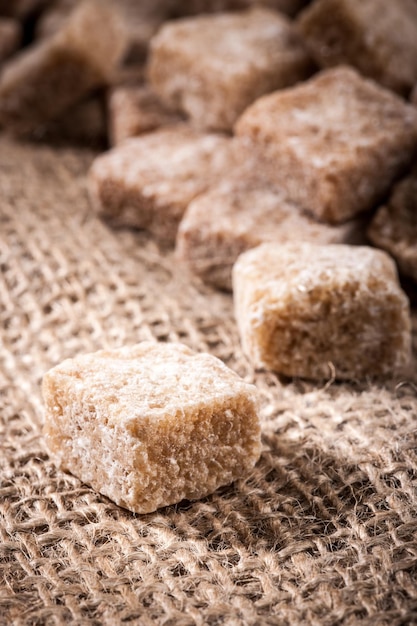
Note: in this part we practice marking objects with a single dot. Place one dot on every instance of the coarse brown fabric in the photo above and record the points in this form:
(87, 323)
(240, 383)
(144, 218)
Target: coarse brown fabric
(323, 531)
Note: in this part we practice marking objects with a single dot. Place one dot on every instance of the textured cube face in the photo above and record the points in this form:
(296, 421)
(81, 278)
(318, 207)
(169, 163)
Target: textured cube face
(394, 227)
(148, 181)
(314, 311)
(213, 66)
(379, 38)
(239, 215)
(334, 143)
(47, 78)
(150, 425)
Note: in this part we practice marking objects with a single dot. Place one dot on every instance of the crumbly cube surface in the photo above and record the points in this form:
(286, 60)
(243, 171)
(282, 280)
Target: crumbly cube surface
(152, 424)
(241, 214)
(318, 311)
(47, 78)
(212, 67)
(335, 143)
(394, 227)
(379, 38)
(147, 182)
(136, 110)
(10, 37)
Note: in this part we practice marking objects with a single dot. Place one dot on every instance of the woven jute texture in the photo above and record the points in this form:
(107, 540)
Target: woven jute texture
(324, 530)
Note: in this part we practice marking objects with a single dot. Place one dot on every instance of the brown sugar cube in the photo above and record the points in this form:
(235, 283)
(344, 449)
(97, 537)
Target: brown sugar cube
(212, 67)
(136, 110)
(320, 311)
(151, 425)
(236, 216)
(47, 78)
(147, 182)
(394, 227)
(379, 38)
(335, 143)
(10, 37)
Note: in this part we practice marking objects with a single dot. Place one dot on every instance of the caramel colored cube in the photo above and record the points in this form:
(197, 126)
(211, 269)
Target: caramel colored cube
(394, 227)
(238, 215)
(136, 110)
(379, 38)
(147, 182)
(212, 67)
(151, 425)
(335, 144)
(322, 311)
(10, 37)
(48, 78)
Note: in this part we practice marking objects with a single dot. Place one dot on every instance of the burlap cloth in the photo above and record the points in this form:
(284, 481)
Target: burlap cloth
(323, 531)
